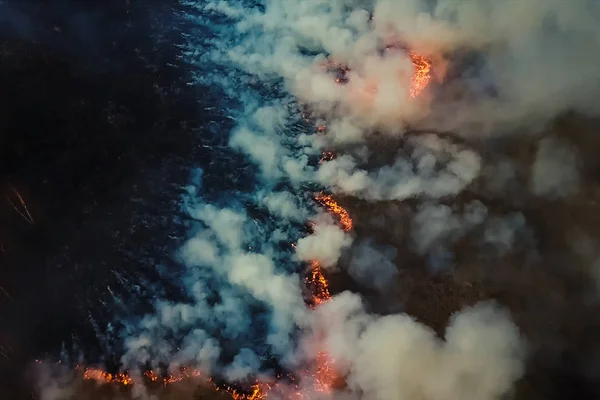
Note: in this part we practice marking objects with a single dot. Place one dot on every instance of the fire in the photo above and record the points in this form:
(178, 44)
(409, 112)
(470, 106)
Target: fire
(105, 377)
(323, 371)
(257, 393)
(332, 206)
(124, 379)
(325, 376)
(327, 156)
(316, 280)
(94, 374)
(421, 74)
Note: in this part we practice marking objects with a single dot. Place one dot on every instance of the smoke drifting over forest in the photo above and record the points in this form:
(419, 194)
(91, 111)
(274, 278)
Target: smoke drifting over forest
(430, 163)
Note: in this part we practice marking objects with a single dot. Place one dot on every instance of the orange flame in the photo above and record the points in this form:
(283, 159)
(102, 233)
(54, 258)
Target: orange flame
(316, 280)
(420, 78)
(258, 393)
(333, 207)
(105, 377)
(421, 74)
(124, 379)
(324, 373)
(327, 156)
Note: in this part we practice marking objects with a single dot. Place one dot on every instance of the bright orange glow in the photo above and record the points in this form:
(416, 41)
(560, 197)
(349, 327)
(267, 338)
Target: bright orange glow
(420, 78)
(98, 375)
(104, 377)
(421, 74)
(317, 282)
(327, 156)
(258, 393)
(325, 375)
(333, 207)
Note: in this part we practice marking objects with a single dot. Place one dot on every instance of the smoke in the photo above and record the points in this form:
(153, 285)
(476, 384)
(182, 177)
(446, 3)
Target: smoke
(55, 382)
(432, 168)
(324, 246)
(243, 288)
(434, 224)
(219, 251)
(555, 171)
(538, 58)
(373, 265)
(383, 356)
(243, 291)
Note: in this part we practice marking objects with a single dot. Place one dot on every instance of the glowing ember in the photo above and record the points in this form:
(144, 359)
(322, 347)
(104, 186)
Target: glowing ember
(100, 376)
(420, 78)
(105, 377)
(327, 156)
(325, 375)
(317, 282)
(258, 392)
(421, 74)
(333, 207)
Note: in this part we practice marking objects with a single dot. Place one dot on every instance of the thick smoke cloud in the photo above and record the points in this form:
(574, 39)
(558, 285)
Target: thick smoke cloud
(325, 245)
(434, 168)
(391, 356)
(539, 58)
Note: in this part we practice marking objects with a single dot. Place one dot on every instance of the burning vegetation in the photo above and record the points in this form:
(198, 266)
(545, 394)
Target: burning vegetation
(334, 208)
(322, 372)
(421, 75)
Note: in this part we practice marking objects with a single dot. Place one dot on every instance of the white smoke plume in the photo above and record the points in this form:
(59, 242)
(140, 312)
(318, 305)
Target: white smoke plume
(220, 247)
(540, 58)
(435, 169)
(391, 357)
(325, 245)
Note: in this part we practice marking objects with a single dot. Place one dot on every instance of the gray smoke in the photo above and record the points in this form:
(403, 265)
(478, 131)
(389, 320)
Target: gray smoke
(481, 357)
(373, 265)
(555, 171)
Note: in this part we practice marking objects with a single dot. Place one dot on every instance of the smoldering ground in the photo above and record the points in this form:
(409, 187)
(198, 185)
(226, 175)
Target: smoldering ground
(499, 208)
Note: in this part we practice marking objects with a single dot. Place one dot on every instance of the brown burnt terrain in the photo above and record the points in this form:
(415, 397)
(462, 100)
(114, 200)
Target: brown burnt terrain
(549, 286)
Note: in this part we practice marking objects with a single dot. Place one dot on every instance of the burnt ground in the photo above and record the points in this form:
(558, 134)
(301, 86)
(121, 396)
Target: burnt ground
(549, 285)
